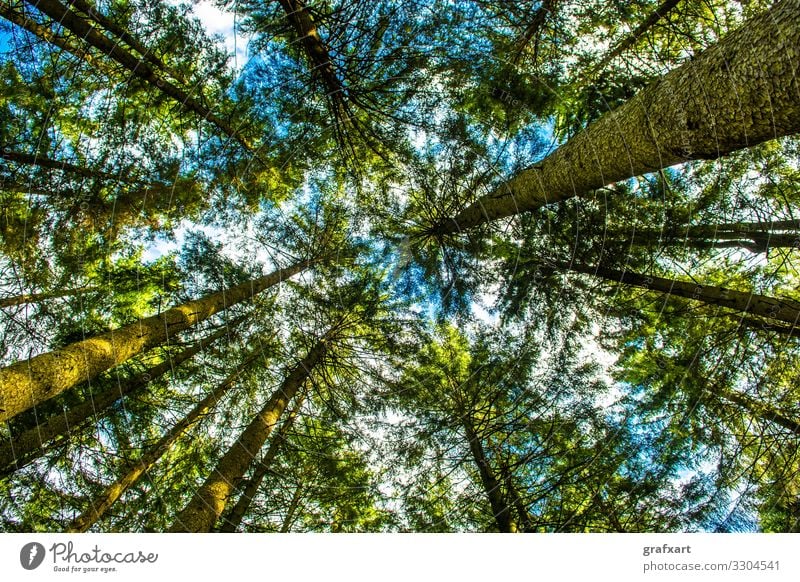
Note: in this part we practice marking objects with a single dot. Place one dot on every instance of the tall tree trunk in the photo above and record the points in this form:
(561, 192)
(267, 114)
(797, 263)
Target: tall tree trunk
(633, 37)
(233, 520)
(37, 297)
(759, 410)
(522, 512)
(785, 310)
(51, 164)
(315, 48)
(24, 448)
(208, 503)
(710, 237)
(100, 504)
(491, 485)
(737, 94)
(91, 11)
(84, 30)
(534, 29)
(16, 15)
(293, 505)
(28, 383)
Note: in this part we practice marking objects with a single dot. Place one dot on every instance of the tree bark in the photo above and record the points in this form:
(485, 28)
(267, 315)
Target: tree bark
(100, 504)
(711, 237)
(738, 93)
(19, 18)
(522, 512)
(759, 410)
(37, 297)
(785, 310)
(491, 485)
(51, 164)
(234, 519)
(534, 30)
(28, 383)
(24, 448)
(290, 512)
(314, 47)
(84, 30)
(115, 29)
(208, 503)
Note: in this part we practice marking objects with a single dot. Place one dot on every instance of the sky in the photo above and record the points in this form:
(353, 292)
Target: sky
(224, 24)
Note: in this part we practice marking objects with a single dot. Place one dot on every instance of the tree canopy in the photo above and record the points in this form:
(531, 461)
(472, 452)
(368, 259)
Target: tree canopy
(422, 266)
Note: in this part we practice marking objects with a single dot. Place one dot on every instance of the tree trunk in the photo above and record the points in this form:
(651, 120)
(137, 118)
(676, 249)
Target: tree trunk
(19, 18)
(785, 310)
(84, 30)
(710, 237)
(491, 485)
(758, 410)
(290, 512)
(51, 164)
(37, 297)
(115, 29)
(234, 519)
(24, 448)
(314, 47)
(28, 383)
(534, 30)
(737, 94)
(100, 504)
(522, 512)
(208, 503)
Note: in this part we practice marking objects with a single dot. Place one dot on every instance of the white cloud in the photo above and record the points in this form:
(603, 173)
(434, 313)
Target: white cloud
(226, 24)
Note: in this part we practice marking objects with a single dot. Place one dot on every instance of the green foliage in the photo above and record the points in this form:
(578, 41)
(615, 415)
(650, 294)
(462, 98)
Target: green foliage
(497, 378)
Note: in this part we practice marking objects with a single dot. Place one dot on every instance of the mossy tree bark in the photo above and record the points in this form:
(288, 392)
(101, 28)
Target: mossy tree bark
(233, 520)
(24, 448)
(100, 504)
(28, 383)
(208, 503)
(738, 93)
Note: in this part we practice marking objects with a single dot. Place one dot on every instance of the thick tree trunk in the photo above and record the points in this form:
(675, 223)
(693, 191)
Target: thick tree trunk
(785, 310)
(28, 383)
(24, 448)
(736, 94)
(208, 503)
(37, 297)
(100, 504)
(84, 30)
(491, 485)
(234, 519)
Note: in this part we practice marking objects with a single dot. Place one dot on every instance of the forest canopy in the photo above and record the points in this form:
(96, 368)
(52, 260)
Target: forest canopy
(381, 266)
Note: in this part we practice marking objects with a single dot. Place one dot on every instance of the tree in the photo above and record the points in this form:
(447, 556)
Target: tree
(26, 384)
(208, 503)
(99, 505)
(667, 123)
